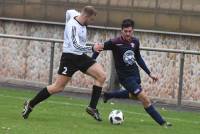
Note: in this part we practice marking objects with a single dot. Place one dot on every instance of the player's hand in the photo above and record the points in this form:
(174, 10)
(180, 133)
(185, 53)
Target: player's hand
(154, 78)
(98, 47)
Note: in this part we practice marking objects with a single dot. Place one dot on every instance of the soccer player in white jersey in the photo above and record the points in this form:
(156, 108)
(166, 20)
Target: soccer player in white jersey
(73, 59)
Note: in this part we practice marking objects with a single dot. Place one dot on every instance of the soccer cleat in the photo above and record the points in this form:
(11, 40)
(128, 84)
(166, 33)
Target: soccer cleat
(105, 98)
(27, 109)
(94, 113)
(167, 125)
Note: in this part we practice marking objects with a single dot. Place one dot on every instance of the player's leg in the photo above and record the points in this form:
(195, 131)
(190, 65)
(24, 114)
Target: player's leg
(149, 108)
(128, 83)
(56, 87)
(45, 93)
(132, 84)
(65, 73)
(89, 66)
(122, 94)
(97, 72)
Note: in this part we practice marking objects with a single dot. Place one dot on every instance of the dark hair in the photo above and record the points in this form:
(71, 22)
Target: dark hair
(89, 10)
(127, 23)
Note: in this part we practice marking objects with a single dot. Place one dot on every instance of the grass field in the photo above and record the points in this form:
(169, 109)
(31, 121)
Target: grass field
(66, 115)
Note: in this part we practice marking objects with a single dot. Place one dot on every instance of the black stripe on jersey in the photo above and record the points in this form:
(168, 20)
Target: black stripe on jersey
(75, 43)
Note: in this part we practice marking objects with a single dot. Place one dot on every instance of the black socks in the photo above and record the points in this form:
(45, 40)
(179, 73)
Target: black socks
(96, 93)
(42, 95)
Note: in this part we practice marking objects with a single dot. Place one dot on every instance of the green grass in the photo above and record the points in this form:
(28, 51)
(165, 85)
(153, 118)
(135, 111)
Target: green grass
(66, 115)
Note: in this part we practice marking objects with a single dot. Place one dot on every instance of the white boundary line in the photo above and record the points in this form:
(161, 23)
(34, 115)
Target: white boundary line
(80, 105)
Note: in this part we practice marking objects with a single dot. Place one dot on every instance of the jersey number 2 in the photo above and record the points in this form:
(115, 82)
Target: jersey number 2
(65, 70)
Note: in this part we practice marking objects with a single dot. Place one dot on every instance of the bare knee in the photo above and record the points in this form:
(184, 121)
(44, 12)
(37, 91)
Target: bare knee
(146, 102)
(59, 84)
(55, 88)
(144, 99)
(101, 78)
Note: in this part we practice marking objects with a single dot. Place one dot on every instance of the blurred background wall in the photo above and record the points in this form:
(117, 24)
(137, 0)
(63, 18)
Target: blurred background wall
(166, 15)
(29, 60)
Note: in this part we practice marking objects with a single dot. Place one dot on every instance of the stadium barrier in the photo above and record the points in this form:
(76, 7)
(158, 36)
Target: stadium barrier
(97, 27)
(53, 41)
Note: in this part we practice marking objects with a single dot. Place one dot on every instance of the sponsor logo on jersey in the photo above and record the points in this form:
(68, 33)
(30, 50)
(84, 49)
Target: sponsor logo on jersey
(129, 58)
(137, 91)
(132, 45)
(119, 44)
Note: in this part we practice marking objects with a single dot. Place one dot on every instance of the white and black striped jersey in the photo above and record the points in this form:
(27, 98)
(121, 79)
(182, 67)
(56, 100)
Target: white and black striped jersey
(75, 35)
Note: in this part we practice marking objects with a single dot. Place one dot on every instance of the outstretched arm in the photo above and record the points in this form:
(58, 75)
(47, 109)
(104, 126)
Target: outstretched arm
(95, 55)
(142, 64)
(106, 46)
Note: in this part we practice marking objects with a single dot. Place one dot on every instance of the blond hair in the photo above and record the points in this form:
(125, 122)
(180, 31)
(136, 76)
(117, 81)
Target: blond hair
(89, 11)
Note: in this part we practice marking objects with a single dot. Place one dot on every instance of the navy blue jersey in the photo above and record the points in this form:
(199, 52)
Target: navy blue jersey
(126, 54)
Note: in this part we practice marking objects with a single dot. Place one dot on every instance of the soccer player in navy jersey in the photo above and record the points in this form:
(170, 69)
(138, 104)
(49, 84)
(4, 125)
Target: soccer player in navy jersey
(126, 53)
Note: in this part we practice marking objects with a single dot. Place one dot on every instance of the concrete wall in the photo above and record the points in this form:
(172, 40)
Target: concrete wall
(166, 15)
(29, 60)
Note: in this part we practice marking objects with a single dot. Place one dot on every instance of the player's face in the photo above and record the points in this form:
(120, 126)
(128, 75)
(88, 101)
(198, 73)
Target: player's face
(90, 20)
(127, 33)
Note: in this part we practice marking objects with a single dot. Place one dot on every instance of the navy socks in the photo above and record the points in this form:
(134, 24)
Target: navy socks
(155, 115)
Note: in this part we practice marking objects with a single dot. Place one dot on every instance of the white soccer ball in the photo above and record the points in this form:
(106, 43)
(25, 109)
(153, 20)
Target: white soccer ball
(116, 117)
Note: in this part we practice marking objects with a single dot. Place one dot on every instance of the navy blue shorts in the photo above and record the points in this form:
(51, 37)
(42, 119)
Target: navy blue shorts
(132, 84)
